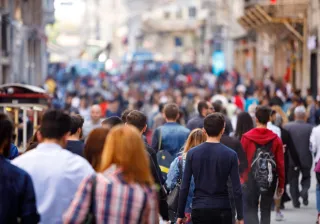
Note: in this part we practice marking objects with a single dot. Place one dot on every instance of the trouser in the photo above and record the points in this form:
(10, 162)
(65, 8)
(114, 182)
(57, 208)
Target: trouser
(209, 216)
(252, 195)
(294, 183)
(318, 192)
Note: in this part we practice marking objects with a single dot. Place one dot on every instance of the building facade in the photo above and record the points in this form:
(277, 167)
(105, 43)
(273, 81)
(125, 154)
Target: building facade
(23, 40)
(276, 41)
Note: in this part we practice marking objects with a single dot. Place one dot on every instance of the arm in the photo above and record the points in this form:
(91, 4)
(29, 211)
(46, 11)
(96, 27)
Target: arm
(236, 187)
(155, 140)
(80, 204)
(313, 145)
(152, 211)
(279, 157)
(184, 190)
(242, 158)
(28, 210)
(173, 174)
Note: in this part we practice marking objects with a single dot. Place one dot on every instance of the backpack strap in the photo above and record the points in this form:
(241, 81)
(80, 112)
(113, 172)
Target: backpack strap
(159, 140)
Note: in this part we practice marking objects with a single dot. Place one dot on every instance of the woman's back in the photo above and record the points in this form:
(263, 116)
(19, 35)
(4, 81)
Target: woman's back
(116, 201)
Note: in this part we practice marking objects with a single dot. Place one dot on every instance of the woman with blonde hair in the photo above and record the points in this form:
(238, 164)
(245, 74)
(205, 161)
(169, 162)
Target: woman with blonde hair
(175, 174)
(123, 191)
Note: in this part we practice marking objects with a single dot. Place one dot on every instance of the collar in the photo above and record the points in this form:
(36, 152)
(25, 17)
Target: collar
(171, 123)
(50, 146)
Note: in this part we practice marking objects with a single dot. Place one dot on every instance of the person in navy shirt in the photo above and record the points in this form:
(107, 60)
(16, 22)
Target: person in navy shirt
(17, 196)
(211, 164)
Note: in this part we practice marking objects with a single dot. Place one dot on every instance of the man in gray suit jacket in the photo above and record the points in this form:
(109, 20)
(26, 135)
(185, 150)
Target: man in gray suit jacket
(300, 132)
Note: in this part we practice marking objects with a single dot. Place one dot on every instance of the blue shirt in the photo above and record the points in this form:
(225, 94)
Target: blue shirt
(13, 152)
(172, 135)
(211, 164)
(56, 174)
(17, 197)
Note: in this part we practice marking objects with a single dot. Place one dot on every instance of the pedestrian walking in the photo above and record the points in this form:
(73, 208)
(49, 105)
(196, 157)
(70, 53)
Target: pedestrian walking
(265, 172)
(175, 174)
(94, 146)
(17, 200)
(168, 139)
(211, 164)
(111, 122)
(56, 173)
(244, 124)
(74, 144)
(204, 109)
(94, 122)
(315, 149)
(123, 191)
(139, 120)
(300, 132)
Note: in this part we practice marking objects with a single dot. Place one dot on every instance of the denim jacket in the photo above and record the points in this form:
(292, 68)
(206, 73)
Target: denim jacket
(173, 177)
(173, 137)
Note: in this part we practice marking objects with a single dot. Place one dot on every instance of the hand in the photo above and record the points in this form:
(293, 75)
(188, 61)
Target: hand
(240, 221)
(280, 192)
(181, 220)
(284, 148)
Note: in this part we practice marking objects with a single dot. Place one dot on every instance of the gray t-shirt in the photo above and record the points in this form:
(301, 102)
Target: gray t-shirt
(88, 126)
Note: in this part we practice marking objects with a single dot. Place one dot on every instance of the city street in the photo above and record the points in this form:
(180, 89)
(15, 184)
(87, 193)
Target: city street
(305, 215)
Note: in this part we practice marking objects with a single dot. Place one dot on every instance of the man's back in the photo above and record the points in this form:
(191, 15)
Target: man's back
(300, 133)
(195, 122)
(76, 147)
(172, 137)
(56, 174)
(211, 164)
(17, 195)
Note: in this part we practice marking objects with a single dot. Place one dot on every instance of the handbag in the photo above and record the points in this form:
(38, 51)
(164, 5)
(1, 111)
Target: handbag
(91, 216)
(173, 197)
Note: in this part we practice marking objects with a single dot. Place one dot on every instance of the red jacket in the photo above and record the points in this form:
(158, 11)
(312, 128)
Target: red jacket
(262, 136)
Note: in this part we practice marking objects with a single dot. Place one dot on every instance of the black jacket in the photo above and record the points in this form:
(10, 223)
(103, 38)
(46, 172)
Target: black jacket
(156, 173)
(236, 146)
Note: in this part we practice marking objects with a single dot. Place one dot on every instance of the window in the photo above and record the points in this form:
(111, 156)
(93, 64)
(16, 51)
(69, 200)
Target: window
(192, 12)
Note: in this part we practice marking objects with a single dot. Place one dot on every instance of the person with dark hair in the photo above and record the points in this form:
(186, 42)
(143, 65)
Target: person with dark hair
(74, 144)
(158, 119)
(56, 173)
(94, 146)
(111, 122)
(204, 109)
(171, 136)
(244, 124)
(139, 120)
(124, 115)
(211, 164)
(265, 172)
(17, 199)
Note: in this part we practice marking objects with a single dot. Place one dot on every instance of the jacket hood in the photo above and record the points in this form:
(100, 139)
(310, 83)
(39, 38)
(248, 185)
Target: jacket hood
(260, 135)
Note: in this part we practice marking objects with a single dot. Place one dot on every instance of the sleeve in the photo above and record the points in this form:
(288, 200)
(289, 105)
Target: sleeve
(313, 145)
(243, 162)
(236, 187)
(155, 140)
(13, 152)
(152, 211)
(79, 207)
(173, 174)
(279, 156)
(184, 190)
(28, 212)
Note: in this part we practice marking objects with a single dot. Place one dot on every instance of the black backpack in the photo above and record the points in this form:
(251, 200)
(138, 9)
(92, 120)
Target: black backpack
(263, 167)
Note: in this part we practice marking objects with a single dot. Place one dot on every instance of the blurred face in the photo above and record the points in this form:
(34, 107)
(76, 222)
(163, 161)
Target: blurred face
(95, 114)
(210, 109)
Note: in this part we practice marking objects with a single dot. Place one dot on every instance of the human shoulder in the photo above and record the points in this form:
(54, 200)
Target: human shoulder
(16, 171)
(227, 150)
(25, 157)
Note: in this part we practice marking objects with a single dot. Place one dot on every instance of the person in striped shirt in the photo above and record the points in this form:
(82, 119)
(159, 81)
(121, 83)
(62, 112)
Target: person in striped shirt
(124, 190)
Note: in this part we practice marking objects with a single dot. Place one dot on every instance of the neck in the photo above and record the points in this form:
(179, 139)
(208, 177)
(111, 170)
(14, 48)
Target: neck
(94, 122)
(261, 125)
(214, 139)
(53, 141)
(73, 138)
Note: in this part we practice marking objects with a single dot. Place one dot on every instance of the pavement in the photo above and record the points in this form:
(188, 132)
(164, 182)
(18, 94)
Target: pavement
(304, 215)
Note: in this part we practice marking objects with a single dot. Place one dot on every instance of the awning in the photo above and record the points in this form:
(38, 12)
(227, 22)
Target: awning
(285, 15)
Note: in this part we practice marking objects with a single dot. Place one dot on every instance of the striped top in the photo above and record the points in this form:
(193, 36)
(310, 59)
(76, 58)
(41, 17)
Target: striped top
(115, 201)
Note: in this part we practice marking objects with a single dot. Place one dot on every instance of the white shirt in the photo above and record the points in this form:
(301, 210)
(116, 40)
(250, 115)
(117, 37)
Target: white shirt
(56, 174)
(315, 143)
(274, 129)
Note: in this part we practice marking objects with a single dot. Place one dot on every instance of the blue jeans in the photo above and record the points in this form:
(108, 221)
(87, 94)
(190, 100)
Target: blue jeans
(318, 192)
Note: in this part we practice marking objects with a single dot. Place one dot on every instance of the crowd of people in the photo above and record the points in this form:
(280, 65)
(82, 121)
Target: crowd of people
(189, 148)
